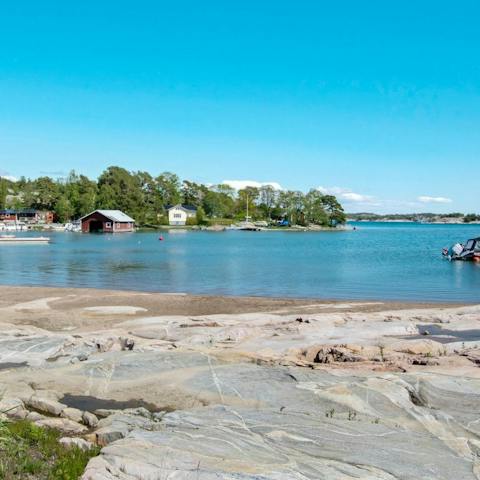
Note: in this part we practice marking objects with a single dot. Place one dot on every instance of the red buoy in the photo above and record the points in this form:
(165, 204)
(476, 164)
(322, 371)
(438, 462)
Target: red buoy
(160, 238)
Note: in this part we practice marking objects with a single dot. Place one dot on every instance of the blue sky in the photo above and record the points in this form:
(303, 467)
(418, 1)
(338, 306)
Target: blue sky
(377, 101)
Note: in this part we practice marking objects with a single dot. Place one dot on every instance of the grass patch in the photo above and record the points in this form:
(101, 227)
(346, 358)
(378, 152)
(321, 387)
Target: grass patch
(29, 452)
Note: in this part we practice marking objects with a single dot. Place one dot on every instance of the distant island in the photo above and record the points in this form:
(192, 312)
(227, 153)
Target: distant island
(147, 198)
(415, 217)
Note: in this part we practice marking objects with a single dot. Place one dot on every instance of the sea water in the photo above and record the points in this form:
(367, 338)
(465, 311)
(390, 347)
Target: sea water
(378, 261)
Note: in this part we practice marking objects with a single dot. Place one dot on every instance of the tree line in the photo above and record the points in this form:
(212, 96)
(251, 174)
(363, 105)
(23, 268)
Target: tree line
(145, 198)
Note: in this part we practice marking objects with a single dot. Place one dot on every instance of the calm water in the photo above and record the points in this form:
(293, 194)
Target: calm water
(378, 261)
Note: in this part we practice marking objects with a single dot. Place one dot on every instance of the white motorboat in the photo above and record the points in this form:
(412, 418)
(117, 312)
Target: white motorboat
(13, 240)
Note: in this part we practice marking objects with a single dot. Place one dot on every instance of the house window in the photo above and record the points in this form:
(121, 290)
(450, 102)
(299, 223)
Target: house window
(177, 215)
(108, 225)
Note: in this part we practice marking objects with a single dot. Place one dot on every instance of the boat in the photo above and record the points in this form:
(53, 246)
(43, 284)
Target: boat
(13, 227)
(470, 251)
(249, 227)
(13, 240)
(73, 227)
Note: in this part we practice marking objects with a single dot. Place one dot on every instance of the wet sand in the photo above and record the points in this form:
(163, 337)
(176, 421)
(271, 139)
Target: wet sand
(71, 307)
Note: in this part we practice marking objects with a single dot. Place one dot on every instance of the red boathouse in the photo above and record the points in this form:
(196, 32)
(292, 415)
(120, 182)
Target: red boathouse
(107, 221)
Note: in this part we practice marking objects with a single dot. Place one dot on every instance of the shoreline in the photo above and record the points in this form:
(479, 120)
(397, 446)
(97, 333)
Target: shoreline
(181, 303)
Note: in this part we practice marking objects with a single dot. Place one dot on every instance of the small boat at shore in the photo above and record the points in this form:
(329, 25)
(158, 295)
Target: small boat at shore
(249, 227)
(469, 252)
(13, 240)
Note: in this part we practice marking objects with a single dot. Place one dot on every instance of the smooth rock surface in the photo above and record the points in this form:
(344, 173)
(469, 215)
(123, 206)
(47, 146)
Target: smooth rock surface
(305, 391)
(225, 442)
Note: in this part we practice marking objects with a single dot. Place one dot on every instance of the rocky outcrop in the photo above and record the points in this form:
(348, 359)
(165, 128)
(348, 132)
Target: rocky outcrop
(272, 396)
(233, 443)
(120, 424)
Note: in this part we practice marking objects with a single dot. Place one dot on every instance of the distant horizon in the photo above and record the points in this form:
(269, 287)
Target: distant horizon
(375, 102)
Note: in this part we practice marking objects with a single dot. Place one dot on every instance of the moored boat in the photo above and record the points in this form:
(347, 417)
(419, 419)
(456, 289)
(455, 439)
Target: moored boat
(470, 251)
(13, 240)
(249, 226)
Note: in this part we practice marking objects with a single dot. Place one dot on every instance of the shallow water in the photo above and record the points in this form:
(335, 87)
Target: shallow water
(90, 404)
(399, 261)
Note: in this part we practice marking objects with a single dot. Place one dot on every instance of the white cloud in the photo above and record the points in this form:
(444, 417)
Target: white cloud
(427, 199)
(7, 176)
(347, 195)
(240, 184)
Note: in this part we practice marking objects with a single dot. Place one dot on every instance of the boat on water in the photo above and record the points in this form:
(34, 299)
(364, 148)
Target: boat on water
(13, 240)
(470, 251)
(249, 227)
(73, 227)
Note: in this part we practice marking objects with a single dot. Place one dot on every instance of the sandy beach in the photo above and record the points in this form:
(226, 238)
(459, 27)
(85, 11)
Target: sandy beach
(68, 307)
(198, 387)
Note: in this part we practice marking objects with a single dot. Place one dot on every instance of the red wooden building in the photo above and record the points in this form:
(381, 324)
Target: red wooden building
(107, 221)
(27, 215)
(8, 215)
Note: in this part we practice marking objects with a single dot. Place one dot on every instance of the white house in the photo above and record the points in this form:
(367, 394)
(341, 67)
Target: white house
(178, 214)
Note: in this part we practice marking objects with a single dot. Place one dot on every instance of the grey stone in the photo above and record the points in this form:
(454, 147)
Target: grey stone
(76, 442)
(73, 414)
(63, 424)
(118, 425)
(89, 419)
(35, 416)
(45, 405)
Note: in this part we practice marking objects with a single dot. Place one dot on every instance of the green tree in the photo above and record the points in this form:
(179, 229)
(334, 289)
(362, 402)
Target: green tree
(247, 196)
(144, 197)
(168, 186)
(151, 199)
(64, 209)
(87, 196)
(200, 216)
(193, 193)
(334, 210)
(268, 197)
(3, 192)
(471, 217)
(42, 194)
(218, 204)
(292, 204)
(119, 189)
(81, 192)
(314, 209)
(225, 189)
